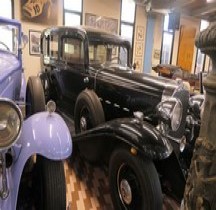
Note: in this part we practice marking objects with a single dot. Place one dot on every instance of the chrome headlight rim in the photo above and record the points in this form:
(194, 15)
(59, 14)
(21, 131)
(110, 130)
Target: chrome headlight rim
(19, 113)
(167, 110)
(174, 126)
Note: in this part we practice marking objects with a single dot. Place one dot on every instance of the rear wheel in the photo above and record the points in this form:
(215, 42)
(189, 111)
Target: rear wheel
(134, 182)
(35, 100)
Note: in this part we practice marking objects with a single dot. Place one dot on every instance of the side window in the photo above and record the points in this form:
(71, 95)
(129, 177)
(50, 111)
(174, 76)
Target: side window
(53, 48)
(124, 56)
(73, 50)
(97, 53)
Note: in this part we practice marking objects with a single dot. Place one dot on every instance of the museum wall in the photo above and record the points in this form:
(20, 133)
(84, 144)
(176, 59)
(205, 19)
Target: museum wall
(31, 63)
(109, 9)
(140, 28)
(104, 8)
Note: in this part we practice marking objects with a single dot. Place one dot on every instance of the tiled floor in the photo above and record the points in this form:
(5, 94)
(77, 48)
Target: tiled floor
(87, 186)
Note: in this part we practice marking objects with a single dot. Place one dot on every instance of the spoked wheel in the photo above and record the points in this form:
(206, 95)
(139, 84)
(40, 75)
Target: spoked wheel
(35, 100)
(88, 114)
(49, 185)
(86, 119)
(88, 111)
(134, 182)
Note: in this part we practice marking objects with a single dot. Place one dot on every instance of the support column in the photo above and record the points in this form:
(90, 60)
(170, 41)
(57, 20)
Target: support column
(149, 43)
(200, 190)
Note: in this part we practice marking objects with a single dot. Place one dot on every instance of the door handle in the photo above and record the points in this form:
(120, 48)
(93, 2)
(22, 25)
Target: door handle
(86, 80)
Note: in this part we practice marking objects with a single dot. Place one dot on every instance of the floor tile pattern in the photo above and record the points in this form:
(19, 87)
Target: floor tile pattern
(87, 186)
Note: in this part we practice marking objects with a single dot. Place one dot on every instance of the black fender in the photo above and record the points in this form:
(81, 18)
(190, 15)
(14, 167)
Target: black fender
(142, 136)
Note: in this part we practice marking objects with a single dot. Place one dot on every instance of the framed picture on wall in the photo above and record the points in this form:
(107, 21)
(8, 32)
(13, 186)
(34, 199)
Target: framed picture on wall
(103, 23)
(140, 33)
(43, 11)
(139, 49)
(34, 42)
(138, 62)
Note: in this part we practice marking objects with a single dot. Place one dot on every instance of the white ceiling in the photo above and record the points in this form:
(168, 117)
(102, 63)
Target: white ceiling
(204, 9)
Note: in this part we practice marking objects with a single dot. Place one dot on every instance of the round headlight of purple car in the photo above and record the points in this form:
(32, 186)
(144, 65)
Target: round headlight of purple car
(10, 123)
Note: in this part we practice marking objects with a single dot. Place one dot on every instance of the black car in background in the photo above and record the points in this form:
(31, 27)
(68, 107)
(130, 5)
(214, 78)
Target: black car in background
(141, 125)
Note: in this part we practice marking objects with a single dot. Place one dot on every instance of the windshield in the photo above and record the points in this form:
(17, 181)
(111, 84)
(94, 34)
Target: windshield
(108, 55)
(9, 38)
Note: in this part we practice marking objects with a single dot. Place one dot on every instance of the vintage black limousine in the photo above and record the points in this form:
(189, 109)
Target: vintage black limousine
(133, 121)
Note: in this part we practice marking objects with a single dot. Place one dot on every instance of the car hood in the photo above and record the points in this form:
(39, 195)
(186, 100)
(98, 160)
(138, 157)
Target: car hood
(8, 64)
(154, 86)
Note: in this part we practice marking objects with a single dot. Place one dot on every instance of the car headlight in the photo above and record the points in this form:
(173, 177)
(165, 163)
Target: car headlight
(170, 112)
(10, 123)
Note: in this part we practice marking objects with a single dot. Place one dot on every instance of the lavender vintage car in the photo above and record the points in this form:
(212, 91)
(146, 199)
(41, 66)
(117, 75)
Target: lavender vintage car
(31, 149)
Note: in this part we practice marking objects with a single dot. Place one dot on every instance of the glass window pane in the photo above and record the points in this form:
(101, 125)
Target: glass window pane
(54, 47)
(200, 56)
(107, 54)
(72, 19)
(124, 56)
(204, 25)
(167, 47)
(128, 11)
(9, 38)
(166, 22)
(7, 11)
(200, 62)
(127, 32)
(73, 50)
(75, 5)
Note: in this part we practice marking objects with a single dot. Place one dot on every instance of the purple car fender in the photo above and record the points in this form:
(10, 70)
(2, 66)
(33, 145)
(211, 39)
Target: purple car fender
(45, 134)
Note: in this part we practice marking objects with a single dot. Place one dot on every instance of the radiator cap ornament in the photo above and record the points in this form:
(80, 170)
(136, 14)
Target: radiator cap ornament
(51, 106)
(138, 115)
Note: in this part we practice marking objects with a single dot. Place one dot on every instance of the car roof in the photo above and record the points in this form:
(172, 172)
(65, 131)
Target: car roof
(92, 33)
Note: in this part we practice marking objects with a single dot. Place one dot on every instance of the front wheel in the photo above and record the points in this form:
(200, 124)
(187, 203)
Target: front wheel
(88, 111)
(134, 182)
(50, 188)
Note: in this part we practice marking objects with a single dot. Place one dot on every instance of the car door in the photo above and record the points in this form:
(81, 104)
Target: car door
(72, 74)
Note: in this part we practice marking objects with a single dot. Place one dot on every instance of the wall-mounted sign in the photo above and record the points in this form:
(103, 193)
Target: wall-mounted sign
(100, 22)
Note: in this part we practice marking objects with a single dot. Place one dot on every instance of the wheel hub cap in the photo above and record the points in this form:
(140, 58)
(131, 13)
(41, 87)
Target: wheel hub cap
(83, 124)
(125, 191)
